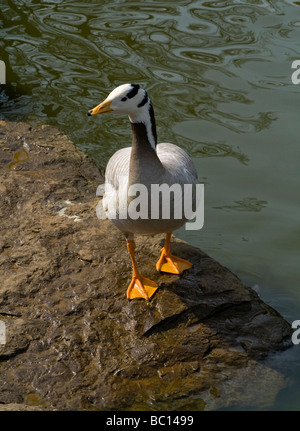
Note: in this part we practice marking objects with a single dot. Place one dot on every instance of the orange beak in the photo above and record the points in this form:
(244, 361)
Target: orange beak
(101, 109)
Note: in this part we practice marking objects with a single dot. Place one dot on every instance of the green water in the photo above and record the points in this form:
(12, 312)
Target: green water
(219, 76)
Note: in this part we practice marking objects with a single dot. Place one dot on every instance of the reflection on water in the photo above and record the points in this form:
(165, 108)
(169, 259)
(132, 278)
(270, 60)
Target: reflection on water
(219, 76)
(247, 204)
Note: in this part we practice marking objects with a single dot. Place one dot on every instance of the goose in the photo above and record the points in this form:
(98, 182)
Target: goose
(142, 166)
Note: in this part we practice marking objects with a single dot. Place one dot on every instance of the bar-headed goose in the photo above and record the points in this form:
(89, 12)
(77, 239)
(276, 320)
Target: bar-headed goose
(131, 200)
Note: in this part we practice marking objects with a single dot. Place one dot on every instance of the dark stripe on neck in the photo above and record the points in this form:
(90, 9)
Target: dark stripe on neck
(153, 124)
(144, 162)
(143, 157)
(140, 136)
(133, 91)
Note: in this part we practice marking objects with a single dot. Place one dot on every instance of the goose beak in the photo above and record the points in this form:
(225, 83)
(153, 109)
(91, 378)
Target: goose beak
(100, 109)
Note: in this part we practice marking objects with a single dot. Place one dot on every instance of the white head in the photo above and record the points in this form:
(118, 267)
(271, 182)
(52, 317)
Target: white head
(127, 99)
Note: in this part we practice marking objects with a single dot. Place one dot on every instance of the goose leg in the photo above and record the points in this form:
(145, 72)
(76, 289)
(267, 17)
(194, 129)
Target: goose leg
(139, 287)
(169, 263)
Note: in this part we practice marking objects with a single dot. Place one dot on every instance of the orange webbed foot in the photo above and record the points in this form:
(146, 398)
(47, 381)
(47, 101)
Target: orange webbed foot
(172, 264)
(141, 287)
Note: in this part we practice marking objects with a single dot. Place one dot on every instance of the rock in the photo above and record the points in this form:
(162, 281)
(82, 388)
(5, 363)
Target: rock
(73, 340)
(13, 407)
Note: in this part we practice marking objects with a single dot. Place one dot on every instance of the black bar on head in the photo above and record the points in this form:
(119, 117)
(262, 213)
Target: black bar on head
(133, 91)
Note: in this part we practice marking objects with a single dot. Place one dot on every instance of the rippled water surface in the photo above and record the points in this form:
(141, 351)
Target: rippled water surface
(219, 76)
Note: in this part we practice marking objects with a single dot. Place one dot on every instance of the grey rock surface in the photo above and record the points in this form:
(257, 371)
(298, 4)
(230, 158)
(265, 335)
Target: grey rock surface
(73, 340)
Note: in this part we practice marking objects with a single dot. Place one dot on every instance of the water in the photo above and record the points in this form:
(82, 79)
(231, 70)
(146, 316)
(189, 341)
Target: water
(219, 76)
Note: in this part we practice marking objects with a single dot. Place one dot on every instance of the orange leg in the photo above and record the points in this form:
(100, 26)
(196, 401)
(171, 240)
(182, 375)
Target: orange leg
(139, 287)
(169, 263)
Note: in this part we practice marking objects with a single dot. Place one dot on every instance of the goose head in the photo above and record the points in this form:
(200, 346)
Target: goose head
(127, 99)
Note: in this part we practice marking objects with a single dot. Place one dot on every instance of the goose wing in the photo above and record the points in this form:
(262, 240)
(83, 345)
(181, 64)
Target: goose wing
(116, 176)
(177, 163)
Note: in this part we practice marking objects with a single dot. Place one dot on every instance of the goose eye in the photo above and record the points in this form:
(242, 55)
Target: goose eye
(123, 99)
